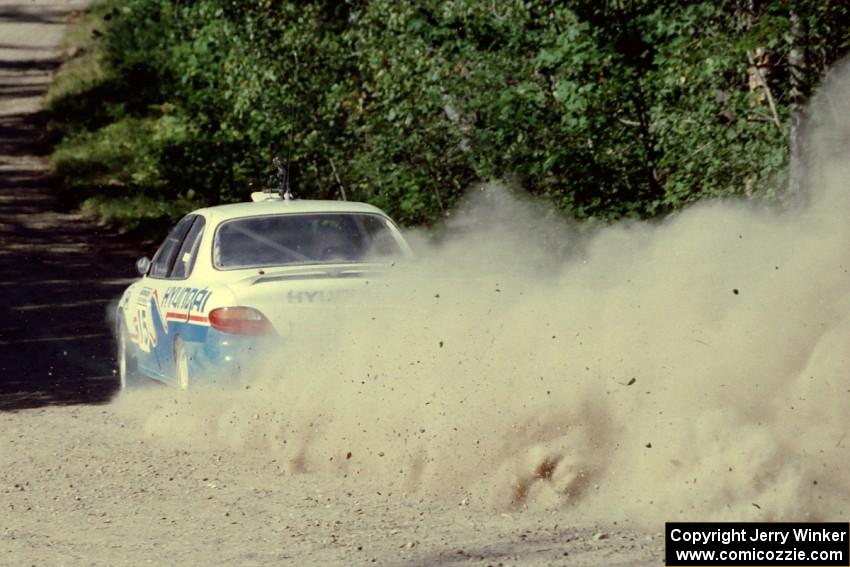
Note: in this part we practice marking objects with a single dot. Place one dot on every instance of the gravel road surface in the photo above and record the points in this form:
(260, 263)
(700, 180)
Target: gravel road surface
(82, 483)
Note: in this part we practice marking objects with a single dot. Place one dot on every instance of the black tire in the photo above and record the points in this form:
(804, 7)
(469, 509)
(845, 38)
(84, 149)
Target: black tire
(181, 365)
(128, 369)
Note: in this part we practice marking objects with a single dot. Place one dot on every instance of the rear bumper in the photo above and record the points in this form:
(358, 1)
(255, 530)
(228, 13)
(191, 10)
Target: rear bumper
(229, 360)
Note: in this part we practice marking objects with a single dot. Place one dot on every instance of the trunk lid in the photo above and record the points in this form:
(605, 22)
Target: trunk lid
(305, 301)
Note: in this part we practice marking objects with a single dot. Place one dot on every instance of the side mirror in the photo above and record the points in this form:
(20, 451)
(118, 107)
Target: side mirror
(142, 265)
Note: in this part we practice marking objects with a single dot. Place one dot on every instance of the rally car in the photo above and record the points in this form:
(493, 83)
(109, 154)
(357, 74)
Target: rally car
(223, 285)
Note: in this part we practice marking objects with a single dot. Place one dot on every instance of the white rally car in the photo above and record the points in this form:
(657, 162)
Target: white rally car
(221, 287)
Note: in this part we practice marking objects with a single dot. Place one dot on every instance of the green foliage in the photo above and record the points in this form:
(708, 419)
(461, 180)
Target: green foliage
(624, 109)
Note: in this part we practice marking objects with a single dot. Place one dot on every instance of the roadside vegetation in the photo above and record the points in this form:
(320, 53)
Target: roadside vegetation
(632, 108)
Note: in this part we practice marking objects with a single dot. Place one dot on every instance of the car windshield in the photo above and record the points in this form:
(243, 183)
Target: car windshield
(279, 240)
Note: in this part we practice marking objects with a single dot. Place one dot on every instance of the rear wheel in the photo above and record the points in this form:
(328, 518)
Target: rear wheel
(128, 371)
(181, 365)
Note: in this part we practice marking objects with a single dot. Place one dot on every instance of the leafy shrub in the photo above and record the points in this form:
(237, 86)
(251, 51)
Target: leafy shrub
(607, 109)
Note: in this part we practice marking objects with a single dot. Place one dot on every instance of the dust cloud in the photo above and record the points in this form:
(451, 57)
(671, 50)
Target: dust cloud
(697, 368)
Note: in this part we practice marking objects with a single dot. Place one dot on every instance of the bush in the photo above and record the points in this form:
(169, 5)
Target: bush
(608, 110)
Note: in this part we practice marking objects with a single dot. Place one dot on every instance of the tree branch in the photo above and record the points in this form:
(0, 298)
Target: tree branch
(763, 82)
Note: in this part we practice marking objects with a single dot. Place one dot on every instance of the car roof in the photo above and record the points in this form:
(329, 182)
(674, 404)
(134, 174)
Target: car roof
(222, 213)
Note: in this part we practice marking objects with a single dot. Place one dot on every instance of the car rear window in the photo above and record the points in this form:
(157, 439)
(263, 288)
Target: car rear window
(316, 238)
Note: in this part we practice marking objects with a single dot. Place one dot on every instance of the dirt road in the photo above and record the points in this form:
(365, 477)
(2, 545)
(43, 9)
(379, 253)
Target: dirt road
(57, 272)
(83, 483)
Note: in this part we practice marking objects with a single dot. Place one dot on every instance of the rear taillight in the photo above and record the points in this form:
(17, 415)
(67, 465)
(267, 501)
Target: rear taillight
(240, 321)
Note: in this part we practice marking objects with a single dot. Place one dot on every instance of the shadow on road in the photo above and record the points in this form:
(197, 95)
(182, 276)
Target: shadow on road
(58, 271)
(58, 276)
(27, 14)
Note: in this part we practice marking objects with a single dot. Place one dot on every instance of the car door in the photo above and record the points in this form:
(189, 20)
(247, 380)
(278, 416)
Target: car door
(183, 295)
(154, 294)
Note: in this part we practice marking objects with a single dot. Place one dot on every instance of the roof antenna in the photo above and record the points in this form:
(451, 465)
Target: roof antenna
(283, 179)
(282, 168)
(283, 171)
